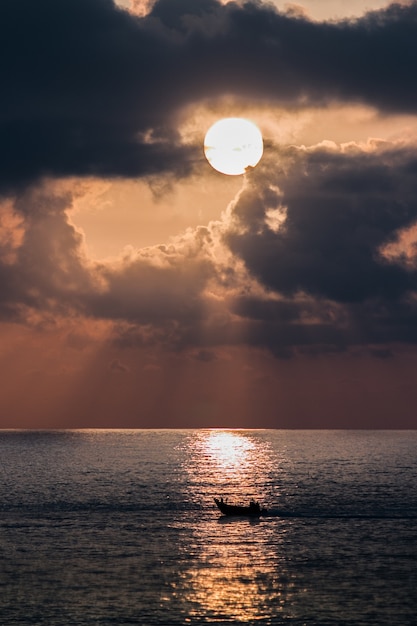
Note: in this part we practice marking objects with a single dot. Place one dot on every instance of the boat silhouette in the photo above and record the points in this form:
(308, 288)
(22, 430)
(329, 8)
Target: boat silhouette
(253, 509)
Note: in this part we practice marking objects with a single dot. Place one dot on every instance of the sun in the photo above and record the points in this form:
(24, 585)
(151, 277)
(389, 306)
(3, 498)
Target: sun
(232, 145)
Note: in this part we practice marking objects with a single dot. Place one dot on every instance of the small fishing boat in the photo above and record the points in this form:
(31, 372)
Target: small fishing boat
(253, 509)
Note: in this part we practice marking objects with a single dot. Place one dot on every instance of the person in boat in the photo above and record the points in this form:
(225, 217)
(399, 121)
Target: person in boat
(254, 506)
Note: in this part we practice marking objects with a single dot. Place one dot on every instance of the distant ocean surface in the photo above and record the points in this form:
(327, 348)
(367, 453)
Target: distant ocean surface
(119, 527)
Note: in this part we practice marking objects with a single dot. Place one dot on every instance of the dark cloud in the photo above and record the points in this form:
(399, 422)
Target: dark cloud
(89, 89)
(341, 209)
(333, 284)
(81, 81)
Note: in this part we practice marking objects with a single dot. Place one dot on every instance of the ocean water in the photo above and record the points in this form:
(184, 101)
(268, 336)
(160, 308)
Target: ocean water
(120, 527)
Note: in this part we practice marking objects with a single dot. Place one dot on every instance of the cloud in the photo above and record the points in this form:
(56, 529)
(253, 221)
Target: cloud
(90, 89)
(48, 271)
(316, 278)
(327, 280)
(341, 208)
(151, 295)
(315, 254)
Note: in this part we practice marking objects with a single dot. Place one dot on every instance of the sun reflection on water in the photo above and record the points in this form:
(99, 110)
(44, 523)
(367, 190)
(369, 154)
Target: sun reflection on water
(236, 574)
(234, 571)
(229, 463)
(228, 449)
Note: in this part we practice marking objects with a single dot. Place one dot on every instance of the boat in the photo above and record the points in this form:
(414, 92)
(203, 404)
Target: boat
(253, 509)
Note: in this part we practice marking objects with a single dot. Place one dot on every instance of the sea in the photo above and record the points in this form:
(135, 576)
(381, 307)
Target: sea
(115, 527)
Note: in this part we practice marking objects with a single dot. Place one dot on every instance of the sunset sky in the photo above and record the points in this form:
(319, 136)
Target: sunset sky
(141, 288)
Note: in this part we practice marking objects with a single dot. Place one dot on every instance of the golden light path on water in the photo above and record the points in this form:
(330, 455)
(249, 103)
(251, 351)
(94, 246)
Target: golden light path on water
(233, 463)
(229, 451)
(237, 573)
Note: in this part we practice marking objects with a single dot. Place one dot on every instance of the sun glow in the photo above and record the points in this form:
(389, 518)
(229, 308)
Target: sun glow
(232, 576)
(232, 145)
(228, 449)
(230, 457)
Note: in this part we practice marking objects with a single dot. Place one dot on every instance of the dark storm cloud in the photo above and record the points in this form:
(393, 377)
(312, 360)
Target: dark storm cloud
(80, 81)
(326, 262)
(89, 89)
(341, 208)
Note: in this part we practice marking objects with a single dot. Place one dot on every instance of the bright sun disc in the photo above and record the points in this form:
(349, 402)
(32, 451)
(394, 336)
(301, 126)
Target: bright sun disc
(232, 145)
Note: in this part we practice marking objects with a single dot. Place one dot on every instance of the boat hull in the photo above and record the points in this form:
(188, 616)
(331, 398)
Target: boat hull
(236, 510)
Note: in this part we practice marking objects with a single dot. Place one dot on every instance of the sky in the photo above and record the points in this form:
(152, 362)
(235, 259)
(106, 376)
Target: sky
(140, 288)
